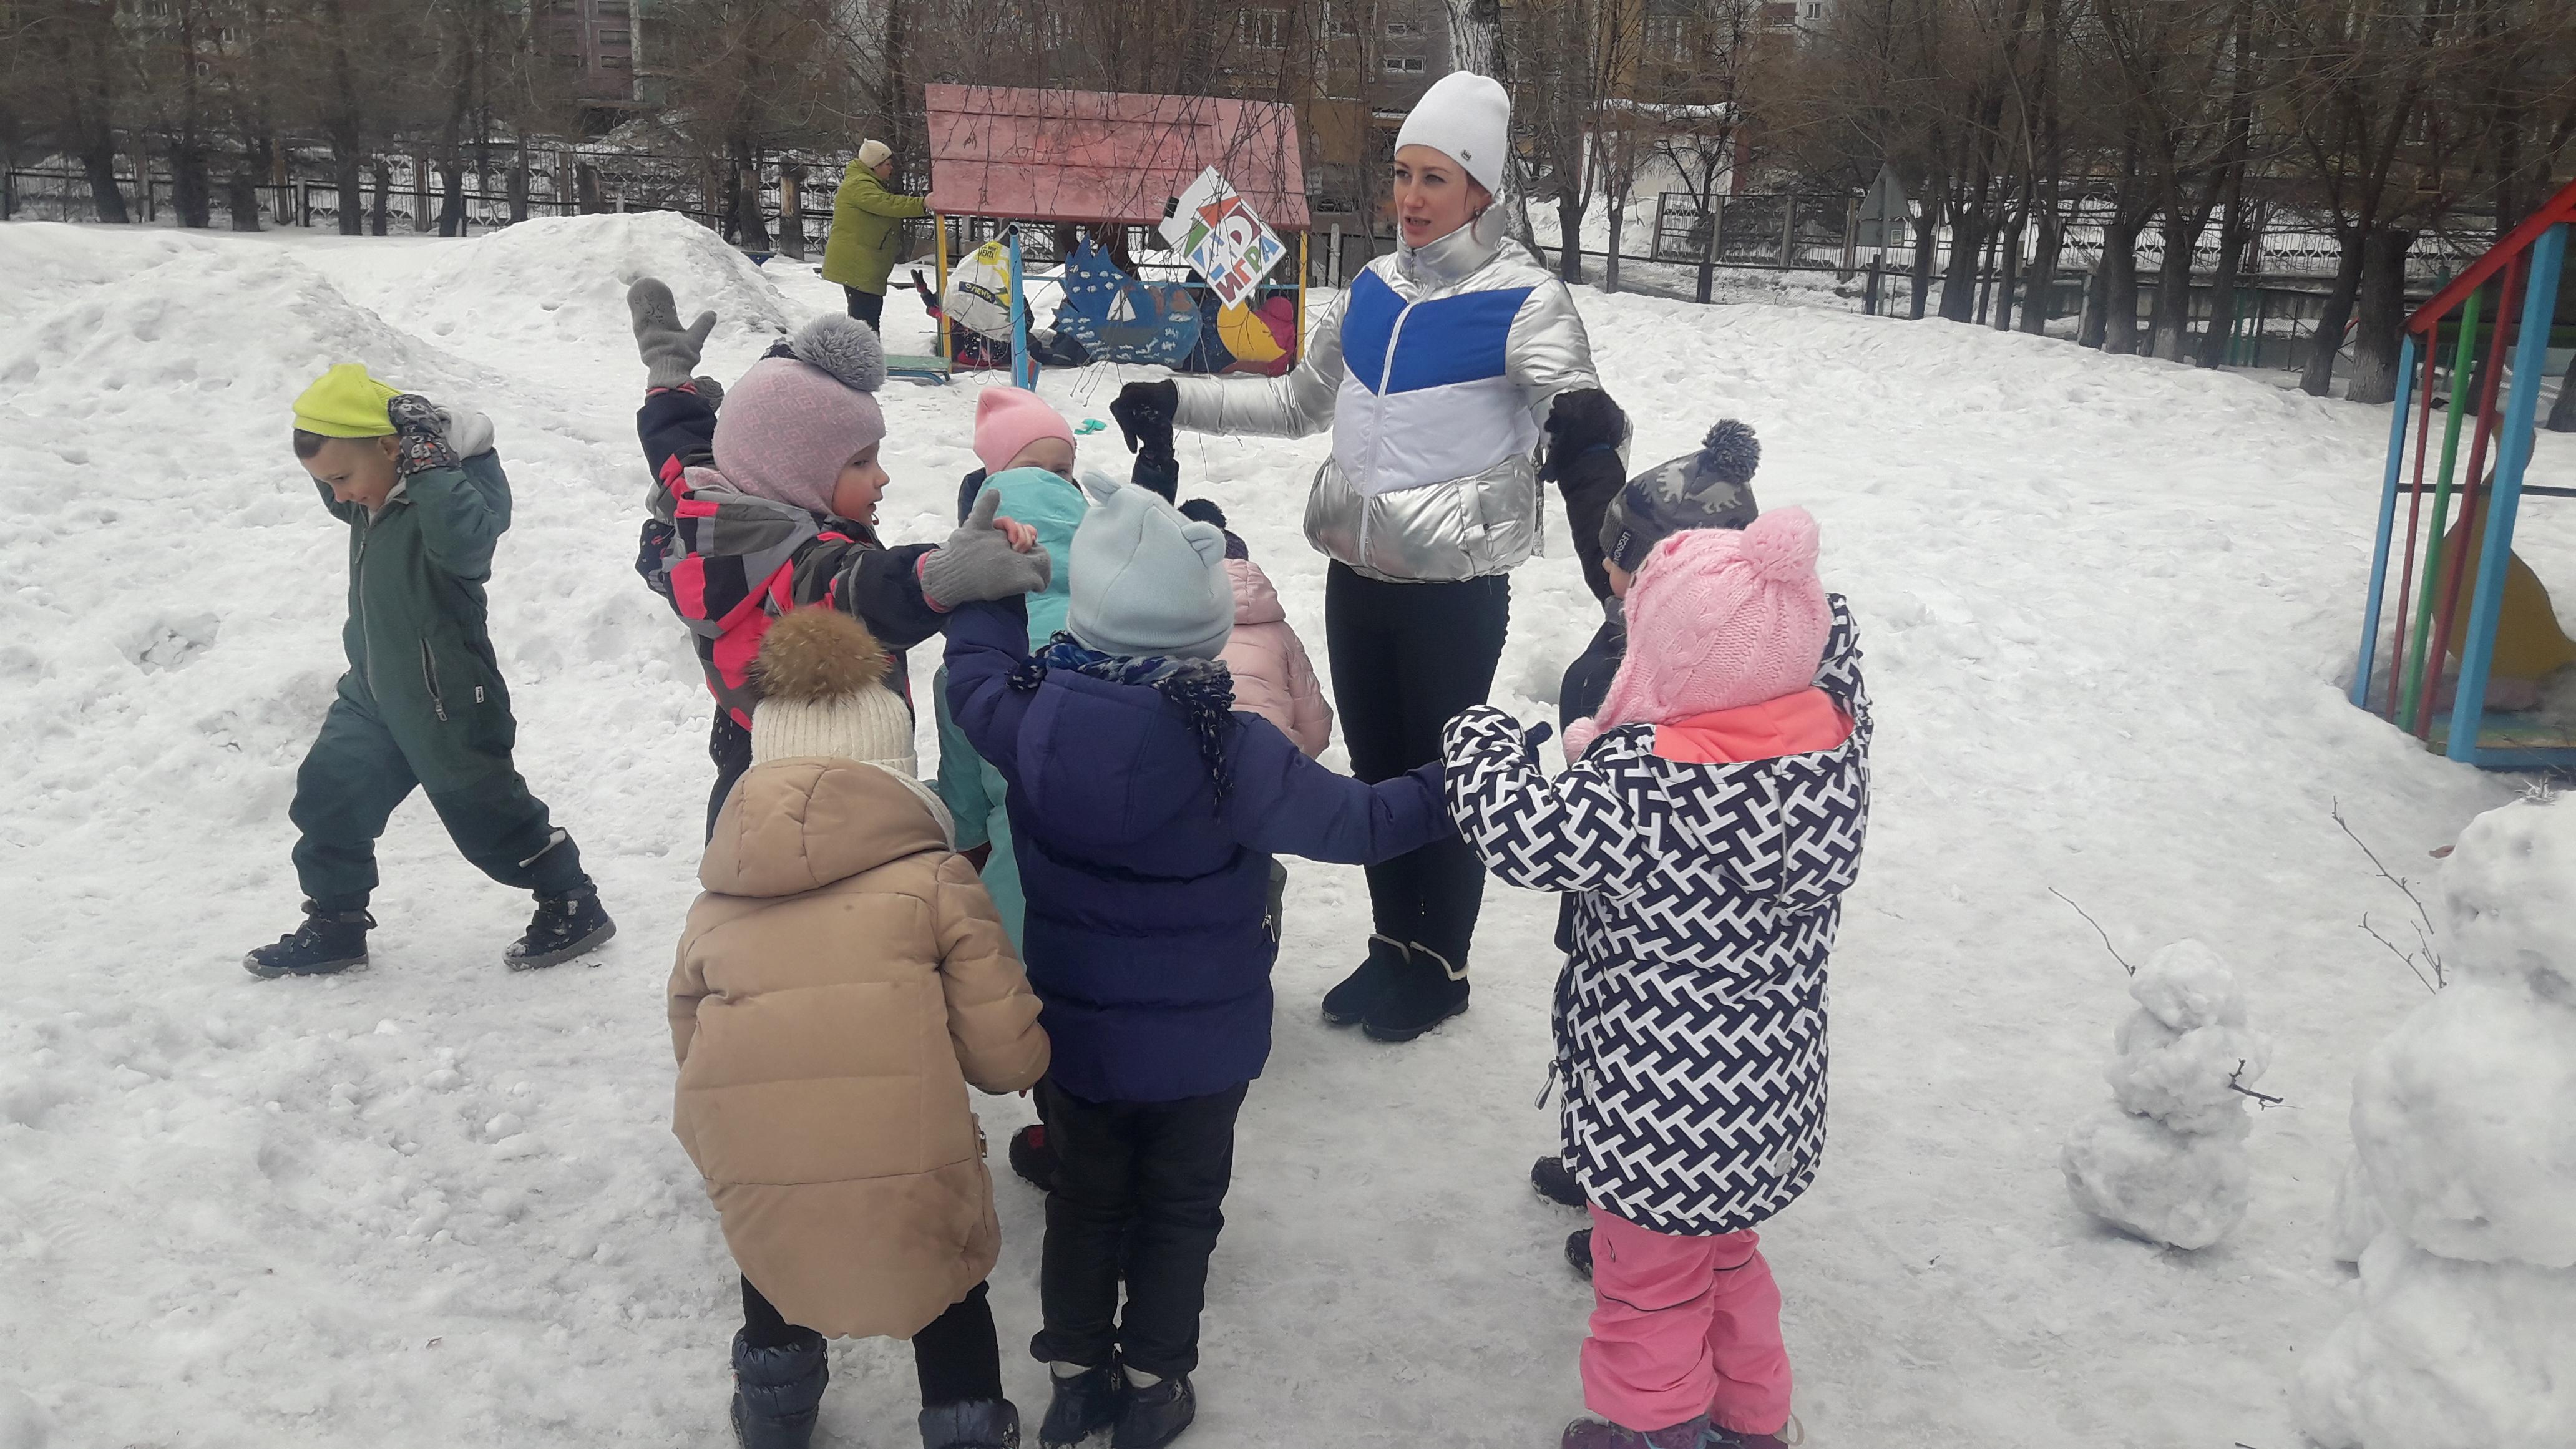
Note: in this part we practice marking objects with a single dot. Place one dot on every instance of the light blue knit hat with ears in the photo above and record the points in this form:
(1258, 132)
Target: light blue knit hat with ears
(1147, 581)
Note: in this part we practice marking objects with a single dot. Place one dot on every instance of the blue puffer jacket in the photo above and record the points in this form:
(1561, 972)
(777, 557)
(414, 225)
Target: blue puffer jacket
(1145, 936)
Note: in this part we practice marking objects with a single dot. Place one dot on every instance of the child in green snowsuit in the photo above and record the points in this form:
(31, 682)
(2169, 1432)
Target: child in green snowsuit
(1028, 451)
(423, 703)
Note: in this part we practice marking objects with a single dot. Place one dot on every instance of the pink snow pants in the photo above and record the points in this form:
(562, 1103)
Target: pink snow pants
(1683, 1327)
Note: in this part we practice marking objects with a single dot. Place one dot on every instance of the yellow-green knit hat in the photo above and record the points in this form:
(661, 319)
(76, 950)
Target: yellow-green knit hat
(346, 403)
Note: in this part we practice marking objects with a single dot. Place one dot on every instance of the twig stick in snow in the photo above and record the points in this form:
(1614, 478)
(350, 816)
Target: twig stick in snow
(2384, 874)
(2423, 918)
(2393, 951)
(2097, 930)
(2233, 1085)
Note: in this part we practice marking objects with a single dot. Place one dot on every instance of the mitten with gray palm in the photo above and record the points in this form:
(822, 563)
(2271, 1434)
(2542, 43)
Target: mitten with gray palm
(670, 351)
(978, 562)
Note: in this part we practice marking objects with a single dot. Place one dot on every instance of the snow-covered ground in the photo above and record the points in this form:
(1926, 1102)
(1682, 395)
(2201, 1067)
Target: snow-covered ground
(2107, 604)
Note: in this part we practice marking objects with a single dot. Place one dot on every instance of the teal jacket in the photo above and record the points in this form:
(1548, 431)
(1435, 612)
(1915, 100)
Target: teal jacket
(972, 789)
(418, 638)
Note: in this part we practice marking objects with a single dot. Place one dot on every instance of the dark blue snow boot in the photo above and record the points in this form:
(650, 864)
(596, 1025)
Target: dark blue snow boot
(1155, 1416)
(1578, 1251)
(329, 942)
(1550, 1180)
(984, 1424)
(1083, 1405)
(777, 1392)
(1594, 1434)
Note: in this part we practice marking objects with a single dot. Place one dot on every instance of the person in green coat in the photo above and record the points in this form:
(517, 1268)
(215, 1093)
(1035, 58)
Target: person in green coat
(867, 224)
(423, 704)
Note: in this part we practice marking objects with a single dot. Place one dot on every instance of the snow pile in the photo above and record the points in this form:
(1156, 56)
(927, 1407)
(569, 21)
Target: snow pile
(2464, 1131)
(2168, 1162)
(562, 282)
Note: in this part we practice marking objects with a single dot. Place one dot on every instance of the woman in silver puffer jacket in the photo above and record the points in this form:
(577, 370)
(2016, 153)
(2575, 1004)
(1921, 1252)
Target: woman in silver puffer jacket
(1441, 371)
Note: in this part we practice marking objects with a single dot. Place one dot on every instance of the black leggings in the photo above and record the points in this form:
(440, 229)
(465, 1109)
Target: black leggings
(957, 1358)
(1406, 658)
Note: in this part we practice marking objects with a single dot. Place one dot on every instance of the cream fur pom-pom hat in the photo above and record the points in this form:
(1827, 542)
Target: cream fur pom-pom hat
(821, 677)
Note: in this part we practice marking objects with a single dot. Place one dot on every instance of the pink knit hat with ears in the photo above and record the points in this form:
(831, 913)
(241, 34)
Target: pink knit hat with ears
(1717, 620)
(801, 414)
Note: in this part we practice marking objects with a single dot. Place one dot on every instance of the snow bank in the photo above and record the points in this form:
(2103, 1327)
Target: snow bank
(561, 282)
(2464, 1129)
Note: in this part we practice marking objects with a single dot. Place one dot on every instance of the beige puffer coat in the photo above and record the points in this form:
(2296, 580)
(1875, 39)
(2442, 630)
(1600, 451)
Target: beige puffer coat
(1272, 677)
(841, 981)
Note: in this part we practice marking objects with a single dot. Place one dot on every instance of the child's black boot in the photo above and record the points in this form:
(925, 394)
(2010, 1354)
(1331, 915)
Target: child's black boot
(1084, 1404)
(1594, 1434)
(1550, 1180)
(563, 927)
(777, 1392)
(328, 942)
(1578, 1251)
(983, 1424)
(1155, 1414)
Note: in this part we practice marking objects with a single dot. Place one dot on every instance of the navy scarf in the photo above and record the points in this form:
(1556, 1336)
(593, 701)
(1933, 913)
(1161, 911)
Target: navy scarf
(1203, 688)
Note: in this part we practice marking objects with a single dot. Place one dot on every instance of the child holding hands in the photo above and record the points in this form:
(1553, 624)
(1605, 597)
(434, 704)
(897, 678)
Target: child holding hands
(1711, 820)
(771, 504)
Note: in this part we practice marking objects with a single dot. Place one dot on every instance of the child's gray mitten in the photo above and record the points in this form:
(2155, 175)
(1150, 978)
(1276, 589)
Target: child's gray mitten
(670, 351)
(978, 562)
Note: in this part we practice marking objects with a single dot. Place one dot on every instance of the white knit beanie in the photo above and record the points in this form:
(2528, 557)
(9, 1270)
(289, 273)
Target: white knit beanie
(821, 678)
(1467, 117)
(1147, 582)
(873, 153)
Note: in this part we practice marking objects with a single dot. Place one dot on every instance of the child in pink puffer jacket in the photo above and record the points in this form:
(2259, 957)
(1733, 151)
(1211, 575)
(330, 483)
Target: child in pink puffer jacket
(1272, 677)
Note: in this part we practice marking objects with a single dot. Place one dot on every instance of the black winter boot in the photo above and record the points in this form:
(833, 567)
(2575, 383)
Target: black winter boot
(1083, 1406)
(1427, 992)
(1550, 1180)
(1578, 1251)
(1348, 1004)
(1032, 1158)
(1594, 1434)
(984, 1424)
(327, 943)
(1153, 1417)
(777, 1393)
(562, 928)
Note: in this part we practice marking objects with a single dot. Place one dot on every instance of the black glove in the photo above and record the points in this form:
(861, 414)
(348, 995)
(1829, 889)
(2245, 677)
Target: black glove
(1144, 411)
(1578, 422)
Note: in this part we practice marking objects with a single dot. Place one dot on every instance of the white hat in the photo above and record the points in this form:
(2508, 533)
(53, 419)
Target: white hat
(873, 153)
(821, 677)
(1467, 117)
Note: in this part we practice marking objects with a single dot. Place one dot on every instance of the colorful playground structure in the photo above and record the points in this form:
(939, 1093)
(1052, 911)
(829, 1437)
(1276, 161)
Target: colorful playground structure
(2461, 591)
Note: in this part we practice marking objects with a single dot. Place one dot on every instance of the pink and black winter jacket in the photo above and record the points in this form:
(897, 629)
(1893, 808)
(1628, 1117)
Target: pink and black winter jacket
(729, 563)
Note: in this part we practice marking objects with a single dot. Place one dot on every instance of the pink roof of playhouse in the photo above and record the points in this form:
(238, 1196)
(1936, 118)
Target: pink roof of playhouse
(1104, 157)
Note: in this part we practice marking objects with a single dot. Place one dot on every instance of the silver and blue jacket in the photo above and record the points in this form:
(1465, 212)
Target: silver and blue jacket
(1435, 370)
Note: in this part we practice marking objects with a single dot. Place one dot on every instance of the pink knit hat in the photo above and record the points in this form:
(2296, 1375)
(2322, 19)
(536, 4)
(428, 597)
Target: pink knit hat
(1717, 620)
(1008, 419)
(793, 422)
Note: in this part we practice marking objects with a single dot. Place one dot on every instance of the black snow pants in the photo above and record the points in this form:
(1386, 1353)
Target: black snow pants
(1142, 1180)
(361, 767)
(957, 1357)
(1406, 658)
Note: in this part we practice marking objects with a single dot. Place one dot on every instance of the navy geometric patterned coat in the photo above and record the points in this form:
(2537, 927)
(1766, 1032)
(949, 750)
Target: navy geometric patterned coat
(1690, 1021)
